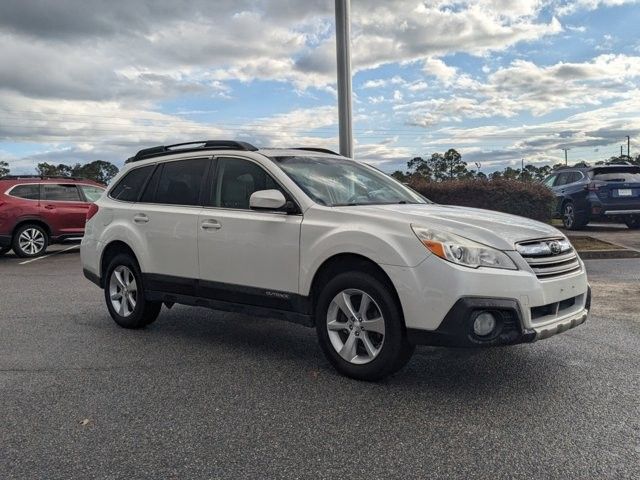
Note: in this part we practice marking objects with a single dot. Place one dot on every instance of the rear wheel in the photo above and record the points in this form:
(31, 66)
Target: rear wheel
(633, 223)
(571, 219)
(360, 328)
(124, 294)
(30, 240)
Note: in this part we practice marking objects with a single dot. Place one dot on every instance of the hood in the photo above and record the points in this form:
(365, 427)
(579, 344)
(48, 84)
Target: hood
(495, 229)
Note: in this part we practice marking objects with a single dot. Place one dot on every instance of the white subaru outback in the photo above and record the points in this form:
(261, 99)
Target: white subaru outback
(309, 236)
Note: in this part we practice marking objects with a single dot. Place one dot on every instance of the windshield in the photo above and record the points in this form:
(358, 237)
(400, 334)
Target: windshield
(337, 182)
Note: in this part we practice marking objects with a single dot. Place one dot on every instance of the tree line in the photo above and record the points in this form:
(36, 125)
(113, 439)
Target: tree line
(99, 170)
(450, 166)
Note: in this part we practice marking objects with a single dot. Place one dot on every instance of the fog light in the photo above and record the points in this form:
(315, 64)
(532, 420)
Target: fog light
(484, 324)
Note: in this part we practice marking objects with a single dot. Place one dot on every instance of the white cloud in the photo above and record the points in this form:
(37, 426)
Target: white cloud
(572, 6)
(524, 86)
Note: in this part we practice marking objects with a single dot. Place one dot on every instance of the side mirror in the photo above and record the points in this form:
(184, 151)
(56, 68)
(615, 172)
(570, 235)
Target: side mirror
(267, 200)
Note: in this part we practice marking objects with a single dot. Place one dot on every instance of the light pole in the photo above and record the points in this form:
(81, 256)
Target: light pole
(343, 54)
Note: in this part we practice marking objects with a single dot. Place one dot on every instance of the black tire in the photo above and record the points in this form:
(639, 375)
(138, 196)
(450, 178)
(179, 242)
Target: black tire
(633, 223)
(4, 250)
(34, 231)
(395, 349)
(144, 312)
(571, 219)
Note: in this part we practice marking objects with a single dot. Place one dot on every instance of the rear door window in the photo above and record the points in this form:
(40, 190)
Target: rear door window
(29, 192)
(55, 192)
(129, 188)
(575, 177)
(181, 182)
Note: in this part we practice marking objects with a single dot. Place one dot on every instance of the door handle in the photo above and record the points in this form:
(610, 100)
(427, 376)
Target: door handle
(50, 207)
(210, 225)
(140, 218)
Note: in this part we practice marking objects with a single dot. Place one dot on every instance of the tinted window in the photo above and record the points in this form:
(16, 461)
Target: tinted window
(575, 177)
(180, 182)
(61, 193)
(150, 190)
(92, 193)
(629, 175)
(549, 181)
(237, 180)
(31, 192)
(128, 189)
(563, 179)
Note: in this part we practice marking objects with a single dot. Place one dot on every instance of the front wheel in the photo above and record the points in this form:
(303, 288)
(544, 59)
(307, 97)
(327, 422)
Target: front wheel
(360, 328)
(633, 223)
(124, 294)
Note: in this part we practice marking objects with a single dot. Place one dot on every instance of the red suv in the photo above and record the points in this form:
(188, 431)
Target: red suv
(38, 211)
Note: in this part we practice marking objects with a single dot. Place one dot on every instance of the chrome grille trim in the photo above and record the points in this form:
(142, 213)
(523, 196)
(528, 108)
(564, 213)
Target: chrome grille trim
(545, 264)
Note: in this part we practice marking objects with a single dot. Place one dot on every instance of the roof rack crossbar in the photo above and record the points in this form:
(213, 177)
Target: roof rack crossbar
(317, 149)
(190, 147)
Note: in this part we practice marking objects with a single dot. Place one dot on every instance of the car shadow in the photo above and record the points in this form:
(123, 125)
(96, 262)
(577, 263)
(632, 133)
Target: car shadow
(456, 370)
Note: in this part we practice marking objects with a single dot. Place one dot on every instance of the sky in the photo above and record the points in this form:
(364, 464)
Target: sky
(498, 80)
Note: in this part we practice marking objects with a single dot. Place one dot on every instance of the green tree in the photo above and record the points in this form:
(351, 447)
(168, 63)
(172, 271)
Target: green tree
(4, 168)
(98, 171)
(420, 166)
(45, 169)
(454, 165)
(400, 176)
(511, 173)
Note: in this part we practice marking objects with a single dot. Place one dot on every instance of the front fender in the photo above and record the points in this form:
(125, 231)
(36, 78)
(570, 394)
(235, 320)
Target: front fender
(392, 243)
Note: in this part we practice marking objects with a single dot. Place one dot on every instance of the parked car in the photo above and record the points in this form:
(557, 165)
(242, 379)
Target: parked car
(584, 194)
(309, 236)
(38, 211)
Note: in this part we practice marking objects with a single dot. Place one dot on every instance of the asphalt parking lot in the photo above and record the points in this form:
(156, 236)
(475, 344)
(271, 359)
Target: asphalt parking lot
(202, 394)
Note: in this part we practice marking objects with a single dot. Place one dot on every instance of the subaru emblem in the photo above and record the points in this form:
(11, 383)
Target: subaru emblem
(555, 247)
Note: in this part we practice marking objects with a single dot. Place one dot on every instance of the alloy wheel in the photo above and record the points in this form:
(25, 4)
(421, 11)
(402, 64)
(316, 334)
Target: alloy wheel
(31, 241)
(123, 291)
(356, 326)
(569, 215)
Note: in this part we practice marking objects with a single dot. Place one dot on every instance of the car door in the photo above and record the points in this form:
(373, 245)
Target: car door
(559, 187)
(166, 218)
(247, 256)
(63, 208)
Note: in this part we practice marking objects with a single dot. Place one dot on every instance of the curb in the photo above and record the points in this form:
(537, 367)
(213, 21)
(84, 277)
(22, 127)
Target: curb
(607, 254)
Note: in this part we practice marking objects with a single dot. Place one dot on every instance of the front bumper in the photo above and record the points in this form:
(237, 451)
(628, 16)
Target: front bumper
(456, 330)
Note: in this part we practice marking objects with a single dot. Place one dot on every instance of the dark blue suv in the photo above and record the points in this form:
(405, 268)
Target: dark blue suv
(601, 192)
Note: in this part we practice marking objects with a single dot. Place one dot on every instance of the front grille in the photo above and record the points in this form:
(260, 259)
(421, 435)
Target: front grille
(550, 258)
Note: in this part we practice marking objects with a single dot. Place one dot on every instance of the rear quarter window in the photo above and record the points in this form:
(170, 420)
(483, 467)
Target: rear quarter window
(28, 192)
(128, 189)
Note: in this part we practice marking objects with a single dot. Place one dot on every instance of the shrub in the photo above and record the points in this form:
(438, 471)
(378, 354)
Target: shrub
(528, 199)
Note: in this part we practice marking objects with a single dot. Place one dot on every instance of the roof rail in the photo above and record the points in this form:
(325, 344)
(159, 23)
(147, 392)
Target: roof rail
(317, 149)
(201, 145)
(41, 177)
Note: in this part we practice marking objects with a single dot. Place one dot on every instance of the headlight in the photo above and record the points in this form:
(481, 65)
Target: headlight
(462, 251)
